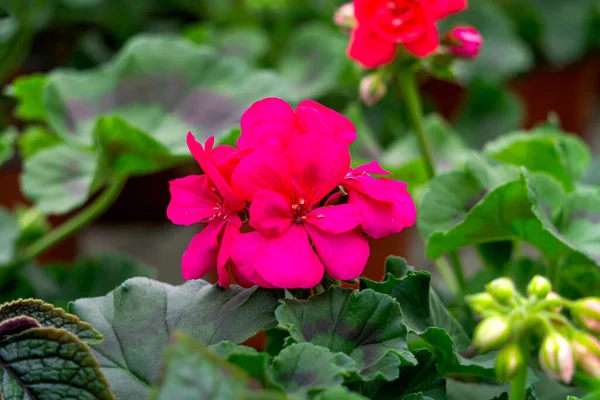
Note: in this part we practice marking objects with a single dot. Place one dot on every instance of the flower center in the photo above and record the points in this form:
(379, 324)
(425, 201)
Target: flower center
(300, 210)
(395, 13)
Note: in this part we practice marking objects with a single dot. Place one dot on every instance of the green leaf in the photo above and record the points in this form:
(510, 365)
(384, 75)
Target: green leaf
(48, 363)
(60, 178)
(245, 44)
(29, 91)
(7, 140)
(421, 308)
(138, 318)
(503, 54)
(151, 86)
(545, 150)
(128, 151)
(421, 381)
(367, 326)
(50, 317)
(9, 234)
(193, 372)
(34, 139)
(304, 368)
(338, 393)
(89, 277)
(313, 61)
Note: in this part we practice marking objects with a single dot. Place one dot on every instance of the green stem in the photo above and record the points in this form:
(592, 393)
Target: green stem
(410, 92)
(447, 275)
(554, 274)
(407, 81)
(68, 228)
(519, 382)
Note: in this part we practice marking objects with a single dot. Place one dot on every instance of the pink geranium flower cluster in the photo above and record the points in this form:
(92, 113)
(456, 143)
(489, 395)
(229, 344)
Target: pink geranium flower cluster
(307, 211)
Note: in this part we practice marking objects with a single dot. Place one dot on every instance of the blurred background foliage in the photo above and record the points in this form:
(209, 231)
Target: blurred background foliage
(80, 75)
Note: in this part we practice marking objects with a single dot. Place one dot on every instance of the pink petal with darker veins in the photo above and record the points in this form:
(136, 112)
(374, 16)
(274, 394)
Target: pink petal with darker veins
(335, 219)
(289, 261)
(318, 165)
(344, 255)
(202, 253)
(371, 168)
(192, 200)
(270, 213)
(268, 121)
(317, 119)
(377, 217)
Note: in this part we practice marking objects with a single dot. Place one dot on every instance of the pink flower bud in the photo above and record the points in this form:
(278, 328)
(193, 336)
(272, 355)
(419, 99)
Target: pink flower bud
(589, 312)
(464, 41)
(344, 16)
(587, 351)
(556, 358)
(552, 296)
(372, 89)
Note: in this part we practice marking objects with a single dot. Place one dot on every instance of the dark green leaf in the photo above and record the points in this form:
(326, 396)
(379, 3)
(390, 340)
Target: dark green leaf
(138, 318)
(313, 61)
(7, 140)
(35, 138)
(16, 325)
(48, 363)
(367, 326)
(496, 255)
(9, 234)
(193, 372)
(338, 393)
(60, 178)
(303, 368)
(51, 317)
(29, 91)
(244, 44)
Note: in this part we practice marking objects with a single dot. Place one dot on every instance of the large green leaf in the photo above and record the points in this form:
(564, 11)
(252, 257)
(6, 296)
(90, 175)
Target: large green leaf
(422, 379)
(303, 368)
(48, 363)
(51, 317)
(9, 234)
(7, 140)
(194, 372)
(29, 92)
(313, 61)
(138, 318)
(163, 86)
(367, 326)
(35, 138)
(60, 178)
(545, 149)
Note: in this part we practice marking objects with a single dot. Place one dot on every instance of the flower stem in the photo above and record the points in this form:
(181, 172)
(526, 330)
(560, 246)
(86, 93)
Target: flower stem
(407, 81)
(519, 382)
(554, 274)
(68, 228)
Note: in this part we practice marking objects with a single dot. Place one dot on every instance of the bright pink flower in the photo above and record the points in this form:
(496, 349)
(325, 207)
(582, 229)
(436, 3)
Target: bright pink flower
(383, 24)
(465, 41)
(208, 199)
(385, 205)
(287, 188)
(273, 121)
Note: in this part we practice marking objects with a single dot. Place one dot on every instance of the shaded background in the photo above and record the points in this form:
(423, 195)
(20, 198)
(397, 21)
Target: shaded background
(540, 57)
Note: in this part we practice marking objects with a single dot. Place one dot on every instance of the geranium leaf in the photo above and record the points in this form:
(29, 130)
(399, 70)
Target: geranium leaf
(34, 139)
(29, 92)
(60, 178)
(13, 326)
(367, 326)
(192, 371)
(138, 318)
(7, 140)
(48, 363)
(303, 368)
(9, 234)
(51, 317)
(338, 393)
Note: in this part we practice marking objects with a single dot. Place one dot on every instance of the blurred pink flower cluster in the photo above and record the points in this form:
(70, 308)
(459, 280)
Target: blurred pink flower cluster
(307, 211)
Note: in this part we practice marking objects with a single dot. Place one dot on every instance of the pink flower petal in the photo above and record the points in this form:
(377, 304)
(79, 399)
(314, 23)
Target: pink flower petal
(319, 120)
(377, 216)
(243, 253)
(268, 121)
(344, 255)
(201, 255)
(318, 165)
(365, 9)
(266, 167)
(192, 200)
(426, 44)
(270, 213)
(289, 261)
(197, 150)
(232, 230)
(369, 49)
(444, 8)
(371, 168)
(335, 219)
